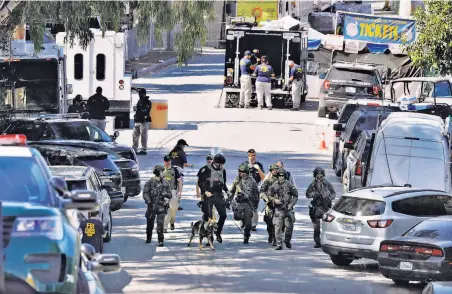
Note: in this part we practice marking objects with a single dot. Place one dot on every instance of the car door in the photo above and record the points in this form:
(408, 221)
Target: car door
(352, 160)
(104, 199)
(345, 137)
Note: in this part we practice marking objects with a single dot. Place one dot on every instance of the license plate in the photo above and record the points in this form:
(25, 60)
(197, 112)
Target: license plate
(349, 227)
(350, 90)
(404, 265)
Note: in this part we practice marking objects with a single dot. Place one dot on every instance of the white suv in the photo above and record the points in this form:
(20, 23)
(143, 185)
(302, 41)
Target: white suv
(361, 219)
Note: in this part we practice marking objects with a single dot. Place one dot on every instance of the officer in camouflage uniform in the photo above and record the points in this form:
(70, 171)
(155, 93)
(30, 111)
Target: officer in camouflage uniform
(246, 199)
(157, 195)
(270, 178)
(322, 193)
(284, 196)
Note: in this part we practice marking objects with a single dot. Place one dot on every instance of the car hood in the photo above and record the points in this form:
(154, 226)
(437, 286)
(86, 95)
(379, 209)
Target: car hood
(89, 144)
(19, 209)
(420, 241)
(125, 163)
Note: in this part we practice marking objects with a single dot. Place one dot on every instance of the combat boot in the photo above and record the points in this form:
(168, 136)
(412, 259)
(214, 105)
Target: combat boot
(288, 245)
(317, 245)
(270, 239)
(161, 244)
(278, 248)
(274, 243)
(172, 227)
(148, 239)
(245, 241)
(219, 240)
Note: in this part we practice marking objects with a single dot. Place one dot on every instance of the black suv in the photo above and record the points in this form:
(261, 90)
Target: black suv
(129, 168)
(66, 128)
(345, 81)
(106, 169)
(359, 121)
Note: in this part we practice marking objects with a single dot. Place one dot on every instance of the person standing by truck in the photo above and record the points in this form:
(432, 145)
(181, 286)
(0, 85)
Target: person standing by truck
(97, 105)
(296, 78)
(264, 73)
(142, 119)
(245, 80)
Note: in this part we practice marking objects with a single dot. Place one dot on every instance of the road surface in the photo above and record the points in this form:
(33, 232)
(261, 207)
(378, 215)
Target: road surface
(293, 137)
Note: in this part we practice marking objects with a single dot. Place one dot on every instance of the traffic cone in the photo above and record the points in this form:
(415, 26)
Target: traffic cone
(322, 144)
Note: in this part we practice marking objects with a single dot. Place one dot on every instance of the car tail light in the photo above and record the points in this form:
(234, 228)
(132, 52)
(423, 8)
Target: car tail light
(358, 170)
(328, 218)
(376, 90)
(388, 247)
(428, 251)
(121, 82)
(326, 84)
(350, 142)
(13, 140)
(338, 134)
(380, 224)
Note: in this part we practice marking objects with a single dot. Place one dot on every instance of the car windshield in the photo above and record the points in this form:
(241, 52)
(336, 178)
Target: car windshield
(76, 185)
(80, 130)
(352, 74)
(359, 207)
(23, 180)
(432, 229)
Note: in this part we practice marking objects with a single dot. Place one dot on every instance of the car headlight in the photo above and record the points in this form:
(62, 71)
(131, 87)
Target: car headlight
(51, 227)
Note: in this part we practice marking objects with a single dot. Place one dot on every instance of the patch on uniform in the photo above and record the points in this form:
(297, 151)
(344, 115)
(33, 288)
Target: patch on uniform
(90, 230)
(203, 169)
(174, 155)
(242, 62)
(264, 68)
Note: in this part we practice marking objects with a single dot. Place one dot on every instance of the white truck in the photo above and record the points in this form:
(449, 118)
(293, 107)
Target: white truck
(101, 64)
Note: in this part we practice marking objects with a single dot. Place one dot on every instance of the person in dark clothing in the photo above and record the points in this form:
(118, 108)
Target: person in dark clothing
(142, 119)
(93, 231)
(212, 182)
(78, 106)
(97, 105)
(258, 174)
(179, 160)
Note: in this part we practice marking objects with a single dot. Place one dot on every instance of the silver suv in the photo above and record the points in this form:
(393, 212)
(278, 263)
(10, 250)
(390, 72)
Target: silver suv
(361, 219)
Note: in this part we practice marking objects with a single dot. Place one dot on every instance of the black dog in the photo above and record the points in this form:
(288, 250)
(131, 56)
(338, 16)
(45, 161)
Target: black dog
(205, 229)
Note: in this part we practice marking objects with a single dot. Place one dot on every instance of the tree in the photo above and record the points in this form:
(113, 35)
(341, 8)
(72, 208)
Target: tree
(433, 48)
(190, 16)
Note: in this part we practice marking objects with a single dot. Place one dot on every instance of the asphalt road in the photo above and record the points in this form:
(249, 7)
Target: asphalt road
(293, 137)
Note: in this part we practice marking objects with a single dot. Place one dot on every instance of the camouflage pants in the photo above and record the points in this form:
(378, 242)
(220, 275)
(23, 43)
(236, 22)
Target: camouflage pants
(268, 219)
(316, 226)
(247, 220)
(283, 223)
(150, 225)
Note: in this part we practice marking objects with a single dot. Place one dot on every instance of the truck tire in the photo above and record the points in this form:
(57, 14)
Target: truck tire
(321, 112)
(341, 260)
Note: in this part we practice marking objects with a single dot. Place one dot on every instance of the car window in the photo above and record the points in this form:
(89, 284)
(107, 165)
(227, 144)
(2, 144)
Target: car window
(442, 89)
(23, 180)
(32, 130)
(424, 206)
(76, 185)
(433, 229)
(352, 74)
(359, 207)
(80, 131)
(358, 144)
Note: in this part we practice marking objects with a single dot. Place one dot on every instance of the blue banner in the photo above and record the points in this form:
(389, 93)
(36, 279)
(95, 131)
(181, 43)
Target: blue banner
(379, 30)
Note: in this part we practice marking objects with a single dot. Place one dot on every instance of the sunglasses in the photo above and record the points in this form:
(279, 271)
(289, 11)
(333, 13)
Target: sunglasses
(281, 176)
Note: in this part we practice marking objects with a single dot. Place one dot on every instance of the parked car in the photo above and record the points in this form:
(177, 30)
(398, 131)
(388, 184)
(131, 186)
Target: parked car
(361, 219)
(423, 253)
(86, 178)
(357, 160)
(359, 121)
(407, 147)
(345, 81)
(41, 246)
(438, 288)
(106, 169)
(65, 127)
(128, 167)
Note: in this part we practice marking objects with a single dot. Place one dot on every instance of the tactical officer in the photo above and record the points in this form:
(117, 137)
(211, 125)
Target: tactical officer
(245, 80)
(269, 208)
(212, 182)
(209, 160)
(296, 77)
(171, 174)
(258, 174)
(142, 120)
(264, 73)
(284, 196)
(245, 200)
(322, 193)
(157, 195)
(179, 160)
(288, 174)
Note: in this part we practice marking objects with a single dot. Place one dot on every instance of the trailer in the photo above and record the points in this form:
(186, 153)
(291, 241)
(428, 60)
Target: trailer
(280, 45)
(101, 64)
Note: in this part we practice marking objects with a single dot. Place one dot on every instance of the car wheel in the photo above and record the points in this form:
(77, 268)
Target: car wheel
(109, 228)
(400, 282)
(321, 112)
(116, 207)
(341, 260)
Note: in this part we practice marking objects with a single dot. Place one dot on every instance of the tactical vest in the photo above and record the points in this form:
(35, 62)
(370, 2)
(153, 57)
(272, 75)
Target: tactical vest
(216, 177)
(170, 176)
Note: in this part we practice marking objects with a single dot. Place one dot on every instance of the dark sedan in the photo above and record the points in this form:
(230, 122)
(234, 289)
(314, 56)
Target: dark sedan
(423, 253)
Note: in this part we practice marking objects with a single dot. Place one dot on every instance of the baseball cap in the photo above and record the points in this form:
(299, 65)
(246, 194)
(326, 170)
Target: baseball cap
(247, 52)
(182, 142)
(167, 158)
(209, 157)
(142, 91)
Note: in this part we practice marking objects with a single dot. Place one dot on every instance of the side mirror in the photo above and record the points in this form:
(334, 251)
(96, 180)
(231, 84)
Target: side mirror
(69, 89)
(82, 200)
(349, 146)
(322, 76)
(60, 186)
(338, 127)
(107, 263)
(332, 115)
(88, 250)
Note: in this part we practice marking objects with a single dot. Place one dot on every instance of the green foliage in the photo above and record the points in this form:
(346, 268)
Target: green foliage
(190, 16)
(433, 47)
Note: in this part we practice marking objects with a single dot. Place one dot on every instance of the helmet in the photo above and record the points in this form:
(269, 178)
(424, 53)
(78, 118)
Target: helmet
(281, 172)
(273, 167)
(319, 170)
(158, 169)
(219, 158)
(244, 168)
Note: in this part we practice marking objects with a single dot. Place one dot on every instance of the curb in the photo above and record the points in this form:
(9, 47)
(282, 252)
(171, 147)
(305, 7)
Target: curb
(157, 67)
